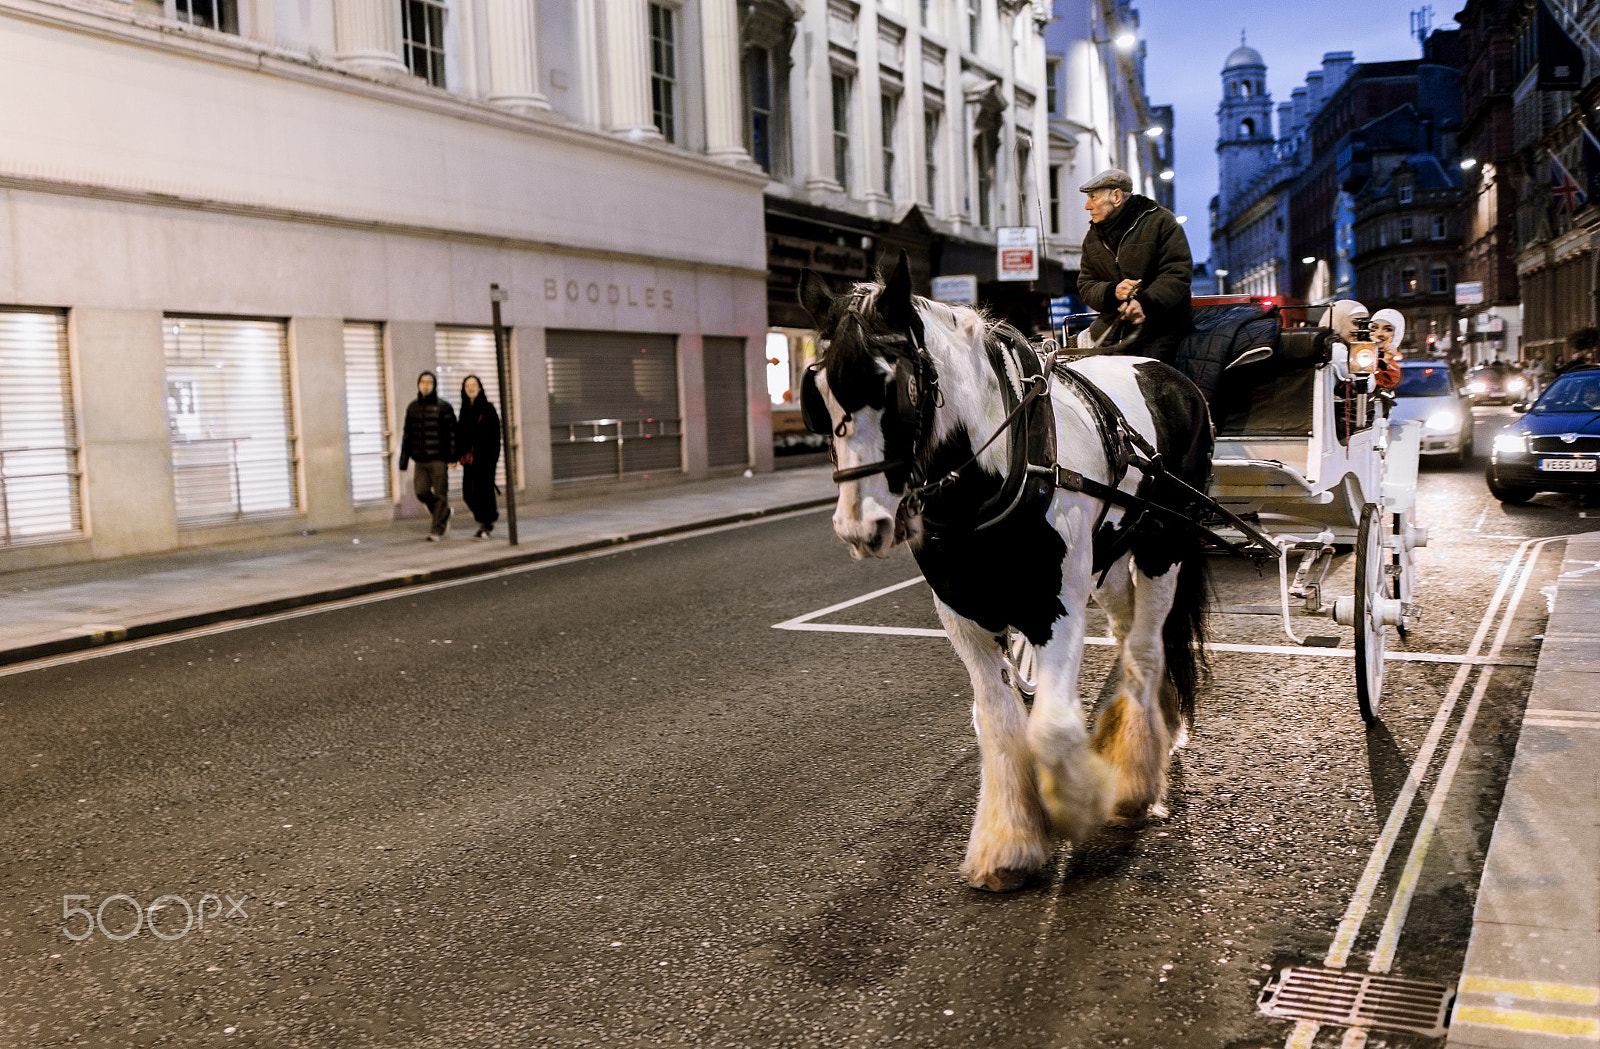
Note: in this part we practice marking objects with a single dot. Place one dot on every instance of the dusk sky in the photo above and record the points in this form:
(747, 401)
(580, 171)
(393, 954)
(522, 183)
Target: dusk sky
(1188, 40)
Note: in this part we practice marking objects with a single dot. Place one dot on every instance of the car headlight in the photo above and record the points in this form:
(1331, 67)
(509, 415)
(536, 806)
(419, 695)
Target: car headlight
(1510, 442)
(1515, 386)
(1443, 421)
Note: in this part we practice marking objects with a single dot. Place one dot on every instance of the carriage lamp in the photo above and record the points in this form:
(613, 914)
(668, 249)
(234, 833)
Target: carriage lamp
(1510, 443)
(1363, 358)
(1443, 421)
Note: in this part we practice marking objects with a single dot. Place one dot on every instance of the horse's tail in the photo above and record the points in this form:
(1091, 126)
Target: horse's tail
(1184, 636)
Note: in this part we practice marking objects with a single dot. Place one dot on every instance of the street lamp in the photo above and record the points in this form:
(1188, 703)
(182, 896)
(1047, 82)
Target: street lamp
(1181, 219)
(1167, 175)
(1155, 131)
(1310, 260)
(1468, 163)
(1125, 40)
(1222, 279)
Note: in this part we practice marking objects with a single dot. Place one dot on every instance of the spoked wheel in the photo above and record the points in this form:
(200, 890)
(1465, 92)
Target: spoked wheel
(1023, 661)
(1372, 587)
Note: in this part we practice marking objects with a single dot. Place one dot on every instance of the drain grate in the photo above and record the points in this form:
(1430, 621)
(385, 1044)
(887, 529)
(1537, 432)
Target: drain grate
(1353, 999)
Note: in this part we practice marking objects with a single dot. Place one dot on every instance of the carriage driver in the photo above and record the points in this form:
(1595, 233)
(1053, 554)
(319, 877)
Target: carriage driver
(1136, 269)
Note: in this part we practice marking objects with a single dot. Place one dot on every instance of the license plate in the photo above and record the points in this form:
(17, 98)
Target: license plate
(1569, 465)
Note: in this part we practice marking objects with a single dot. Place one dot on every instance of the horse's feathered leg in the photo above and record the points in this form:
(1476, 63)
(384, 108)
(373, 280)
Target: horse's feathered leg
(1074, 782)
(1010, 836)
(1134, 732)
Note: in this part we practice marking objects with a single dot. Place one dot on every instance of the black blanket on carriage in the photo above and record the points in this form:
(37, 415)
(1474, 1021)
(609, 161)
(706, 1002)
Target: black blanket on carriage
(1220, 335)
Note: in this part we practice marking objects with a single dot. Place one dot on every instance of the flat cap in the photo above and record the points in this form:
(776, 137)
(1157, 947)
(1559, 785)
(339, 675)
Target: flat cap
(1110, 178)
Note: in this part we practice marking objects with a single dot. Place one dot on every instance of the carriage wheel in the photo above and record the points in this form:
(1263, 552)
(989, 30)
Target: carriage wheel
(1024, 663)
(1404, 583)
(1372, 585)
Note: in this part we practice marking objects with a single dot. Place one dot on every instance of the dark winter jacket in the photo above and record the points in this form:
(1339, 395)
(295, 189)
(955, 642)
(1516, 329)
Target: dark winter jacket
(478, 431)
(1142, 241)
(430, 430)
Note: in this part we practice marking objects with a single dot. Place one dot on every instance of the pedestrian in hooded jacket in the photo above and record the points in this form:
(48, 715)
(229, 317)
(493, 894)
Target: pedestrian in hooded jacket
(1136, 268)
(429, 441)
(478, 445)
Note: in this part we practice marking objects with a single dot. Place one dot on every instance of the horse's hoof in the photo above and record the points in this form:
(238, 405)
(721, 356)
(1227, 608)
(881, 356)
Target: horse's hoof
(1133, 817)
(1006, 879)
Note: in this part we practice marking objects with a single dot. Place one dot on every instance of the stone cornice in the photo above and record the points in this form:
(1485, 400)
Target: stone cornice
(110, 22)
(272, 213)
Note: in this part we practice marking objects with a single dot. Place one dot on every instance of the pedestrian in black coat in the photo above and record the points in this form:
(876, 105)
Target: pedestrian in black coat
(1136, 268)
(428, 440)
(478, 445)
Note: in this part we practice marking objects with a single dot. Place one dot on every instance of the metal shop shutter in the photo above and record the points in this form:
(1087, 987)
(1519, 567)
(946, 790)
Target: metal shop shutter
(461, 352)
(366, 413)
(40, 477)
(727, 414)
(229, 421)
(613, 404)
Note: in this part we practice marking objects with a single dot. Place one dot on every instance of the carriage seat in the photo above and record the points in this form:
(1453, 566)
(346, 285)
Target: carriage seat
(1273, 396)
(1220, 335)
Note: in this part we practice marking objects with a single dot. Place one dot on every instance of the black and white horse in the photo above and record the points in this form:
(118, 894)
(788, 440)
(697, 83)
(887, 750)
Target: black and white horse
(909, 389)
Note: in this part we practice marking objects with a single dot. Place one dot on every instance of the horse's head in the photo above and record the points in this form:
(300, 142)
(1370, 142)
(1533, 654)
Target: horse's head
(870, 393)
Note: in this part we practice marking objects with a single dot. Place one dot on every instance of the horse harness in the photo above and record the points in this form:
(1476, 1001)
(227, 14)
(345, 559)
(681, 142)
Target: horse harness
(1032, 472)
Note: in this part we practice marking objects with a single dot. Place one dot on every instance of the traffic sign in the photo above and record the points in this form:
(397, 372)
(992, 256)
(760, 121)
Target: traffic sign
(1017, 253)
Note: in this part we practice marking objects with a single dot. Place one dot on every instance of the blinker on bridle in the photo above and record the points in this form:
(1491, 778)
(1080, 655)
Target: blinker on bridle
(905, 404)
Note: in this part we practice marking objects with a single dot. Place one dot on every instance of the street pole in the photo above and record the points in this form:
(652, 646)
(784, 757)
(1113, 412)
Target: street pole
(497, 295)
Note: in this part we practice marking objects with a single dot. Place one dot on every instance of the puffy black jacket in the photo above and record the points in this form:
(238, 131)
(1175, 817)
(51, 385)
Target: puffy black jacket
(1142, 242)
(430, 430)
(478, 431)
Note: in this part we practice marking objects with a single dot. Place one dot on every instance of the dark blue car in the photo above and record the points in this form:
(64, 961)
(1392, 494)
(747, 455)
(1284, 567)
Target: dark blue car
(1555, 447)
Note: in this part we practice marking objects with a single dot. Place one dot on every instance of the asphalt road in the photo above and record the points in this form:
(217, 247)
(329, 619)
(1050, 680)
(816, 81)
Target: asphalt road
(606, 803)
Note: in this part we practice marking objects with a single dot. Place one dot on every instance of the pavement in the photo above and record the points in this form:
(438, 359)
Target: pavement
(1532, 973)
(53, 611)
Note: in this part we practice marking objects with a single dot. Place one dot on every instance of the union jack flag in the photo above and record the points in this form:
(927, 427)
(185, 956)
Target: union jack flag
(1569, 195)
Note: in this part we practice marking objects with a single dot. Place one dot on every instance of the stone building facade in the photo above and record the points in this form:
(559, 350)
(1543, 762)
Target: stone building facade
(233, 232)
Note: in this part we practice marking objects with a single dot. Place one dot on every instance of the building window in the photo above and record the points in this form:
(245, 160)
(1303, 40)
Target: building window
(1052, 90)
(974, 24)
(1405, 192)
(1439, 279)
(366, 414)
(1408, 280)
(1407, 230)
(663, 72)
(925, 9)
(460, 352)
(890, 108)
(1247, 128)
(841, 130)
(1437, 224)
(930, 155)
(758, 71)
(983, 162)
(40, 472)
(1055, 198)
(1386, 282)
(422, 27)
(230, 425)
(221, 15)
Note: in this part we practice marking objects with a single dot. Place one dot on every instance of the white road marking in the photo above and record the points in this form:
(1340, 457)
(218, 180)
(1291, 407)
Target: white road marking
(1400, 906)
(389, 595)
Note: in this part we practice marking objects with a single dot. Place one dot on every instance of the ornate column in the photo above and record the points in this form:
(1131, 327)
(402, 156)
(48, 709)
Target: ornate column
(628, 58)
(368, 33)
(724, 126)
(514, 56)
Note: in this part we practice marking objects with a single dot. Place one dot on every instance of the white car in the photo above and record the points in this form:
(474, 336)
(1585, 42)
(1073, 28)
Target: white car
(1428, 393)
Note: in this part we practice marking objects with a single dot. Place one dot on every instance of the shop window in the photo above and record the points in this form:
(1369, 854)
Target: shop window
(366, 414)
(841, 130)
(664, 71)
(40, 479)
(613, 405)
(422, 33)
(221, 15)
(230, 434)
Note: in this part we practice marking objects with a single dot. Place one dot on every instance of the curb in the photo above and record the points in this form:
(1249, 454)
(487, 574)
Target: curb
(176, 624)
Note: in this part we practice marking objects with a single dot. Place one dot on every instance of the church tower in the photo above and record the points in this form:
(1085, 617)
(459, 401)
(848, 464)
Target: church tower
(1244, 123)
